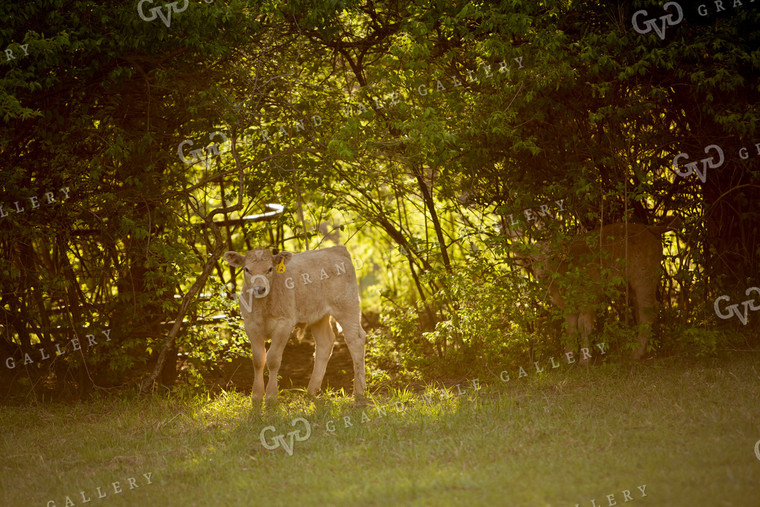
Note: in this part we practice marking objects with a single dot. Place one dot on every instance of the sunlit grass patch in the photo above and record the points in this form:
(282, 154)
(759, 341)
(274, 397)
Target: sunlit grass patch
(577, 434)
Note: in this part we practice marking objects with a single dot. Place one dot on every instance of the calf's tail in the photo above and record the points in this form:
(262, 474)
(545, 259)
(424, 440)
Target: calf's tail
(299, 331)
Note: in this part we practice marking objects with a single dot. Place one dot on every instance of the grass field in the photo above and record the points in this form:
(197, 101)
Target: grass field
(684, 429)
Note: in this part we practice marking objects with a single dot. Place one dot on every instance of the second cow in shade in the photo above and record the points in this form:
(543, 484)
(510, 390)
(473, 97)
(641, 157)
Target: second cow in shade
(630, 252)
(284, 290)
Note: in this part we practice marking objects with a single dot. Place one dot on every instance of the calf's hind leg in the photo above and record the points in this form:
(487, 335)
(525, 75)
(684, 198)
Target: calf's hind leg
(355, 340)
(324, 340)
(645, 301)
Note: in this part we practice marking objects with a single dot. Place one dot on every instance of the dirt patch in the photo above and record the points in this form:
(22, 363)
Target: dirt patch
(295, 369)
(297, 364)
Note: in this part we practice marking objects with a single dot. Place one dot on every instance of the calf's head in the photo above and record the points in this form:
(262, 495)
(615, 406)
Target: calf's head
(259, 268)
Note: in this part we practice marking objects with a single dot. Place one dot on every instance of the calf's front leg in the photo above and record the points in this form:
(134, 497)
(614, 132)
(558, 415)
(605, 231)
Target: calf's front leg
(259, 359)
(280, 337)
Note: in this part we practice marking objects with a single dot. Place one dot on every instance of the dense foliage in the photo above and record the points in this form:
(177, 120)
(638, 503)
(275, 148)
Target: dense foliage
(417, 133)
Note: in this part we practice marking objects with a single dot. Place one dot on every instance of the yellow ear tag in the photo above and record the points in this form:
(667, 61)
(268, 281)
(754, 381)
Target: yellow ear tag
(281, 266)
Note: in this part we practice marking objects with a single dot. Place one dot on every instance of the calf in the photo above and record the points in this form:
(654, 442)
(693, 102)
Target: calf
(601, 253)
(285, 290)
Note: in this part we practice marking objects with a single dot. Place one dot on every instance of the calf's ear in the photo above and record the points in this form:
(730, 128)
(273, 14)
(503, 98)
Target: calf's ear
(233, 259)
(282, 256)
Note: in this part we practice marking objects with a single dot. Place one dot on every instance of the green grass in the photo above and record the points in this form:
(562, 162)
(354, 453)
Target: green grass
(685, 429)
